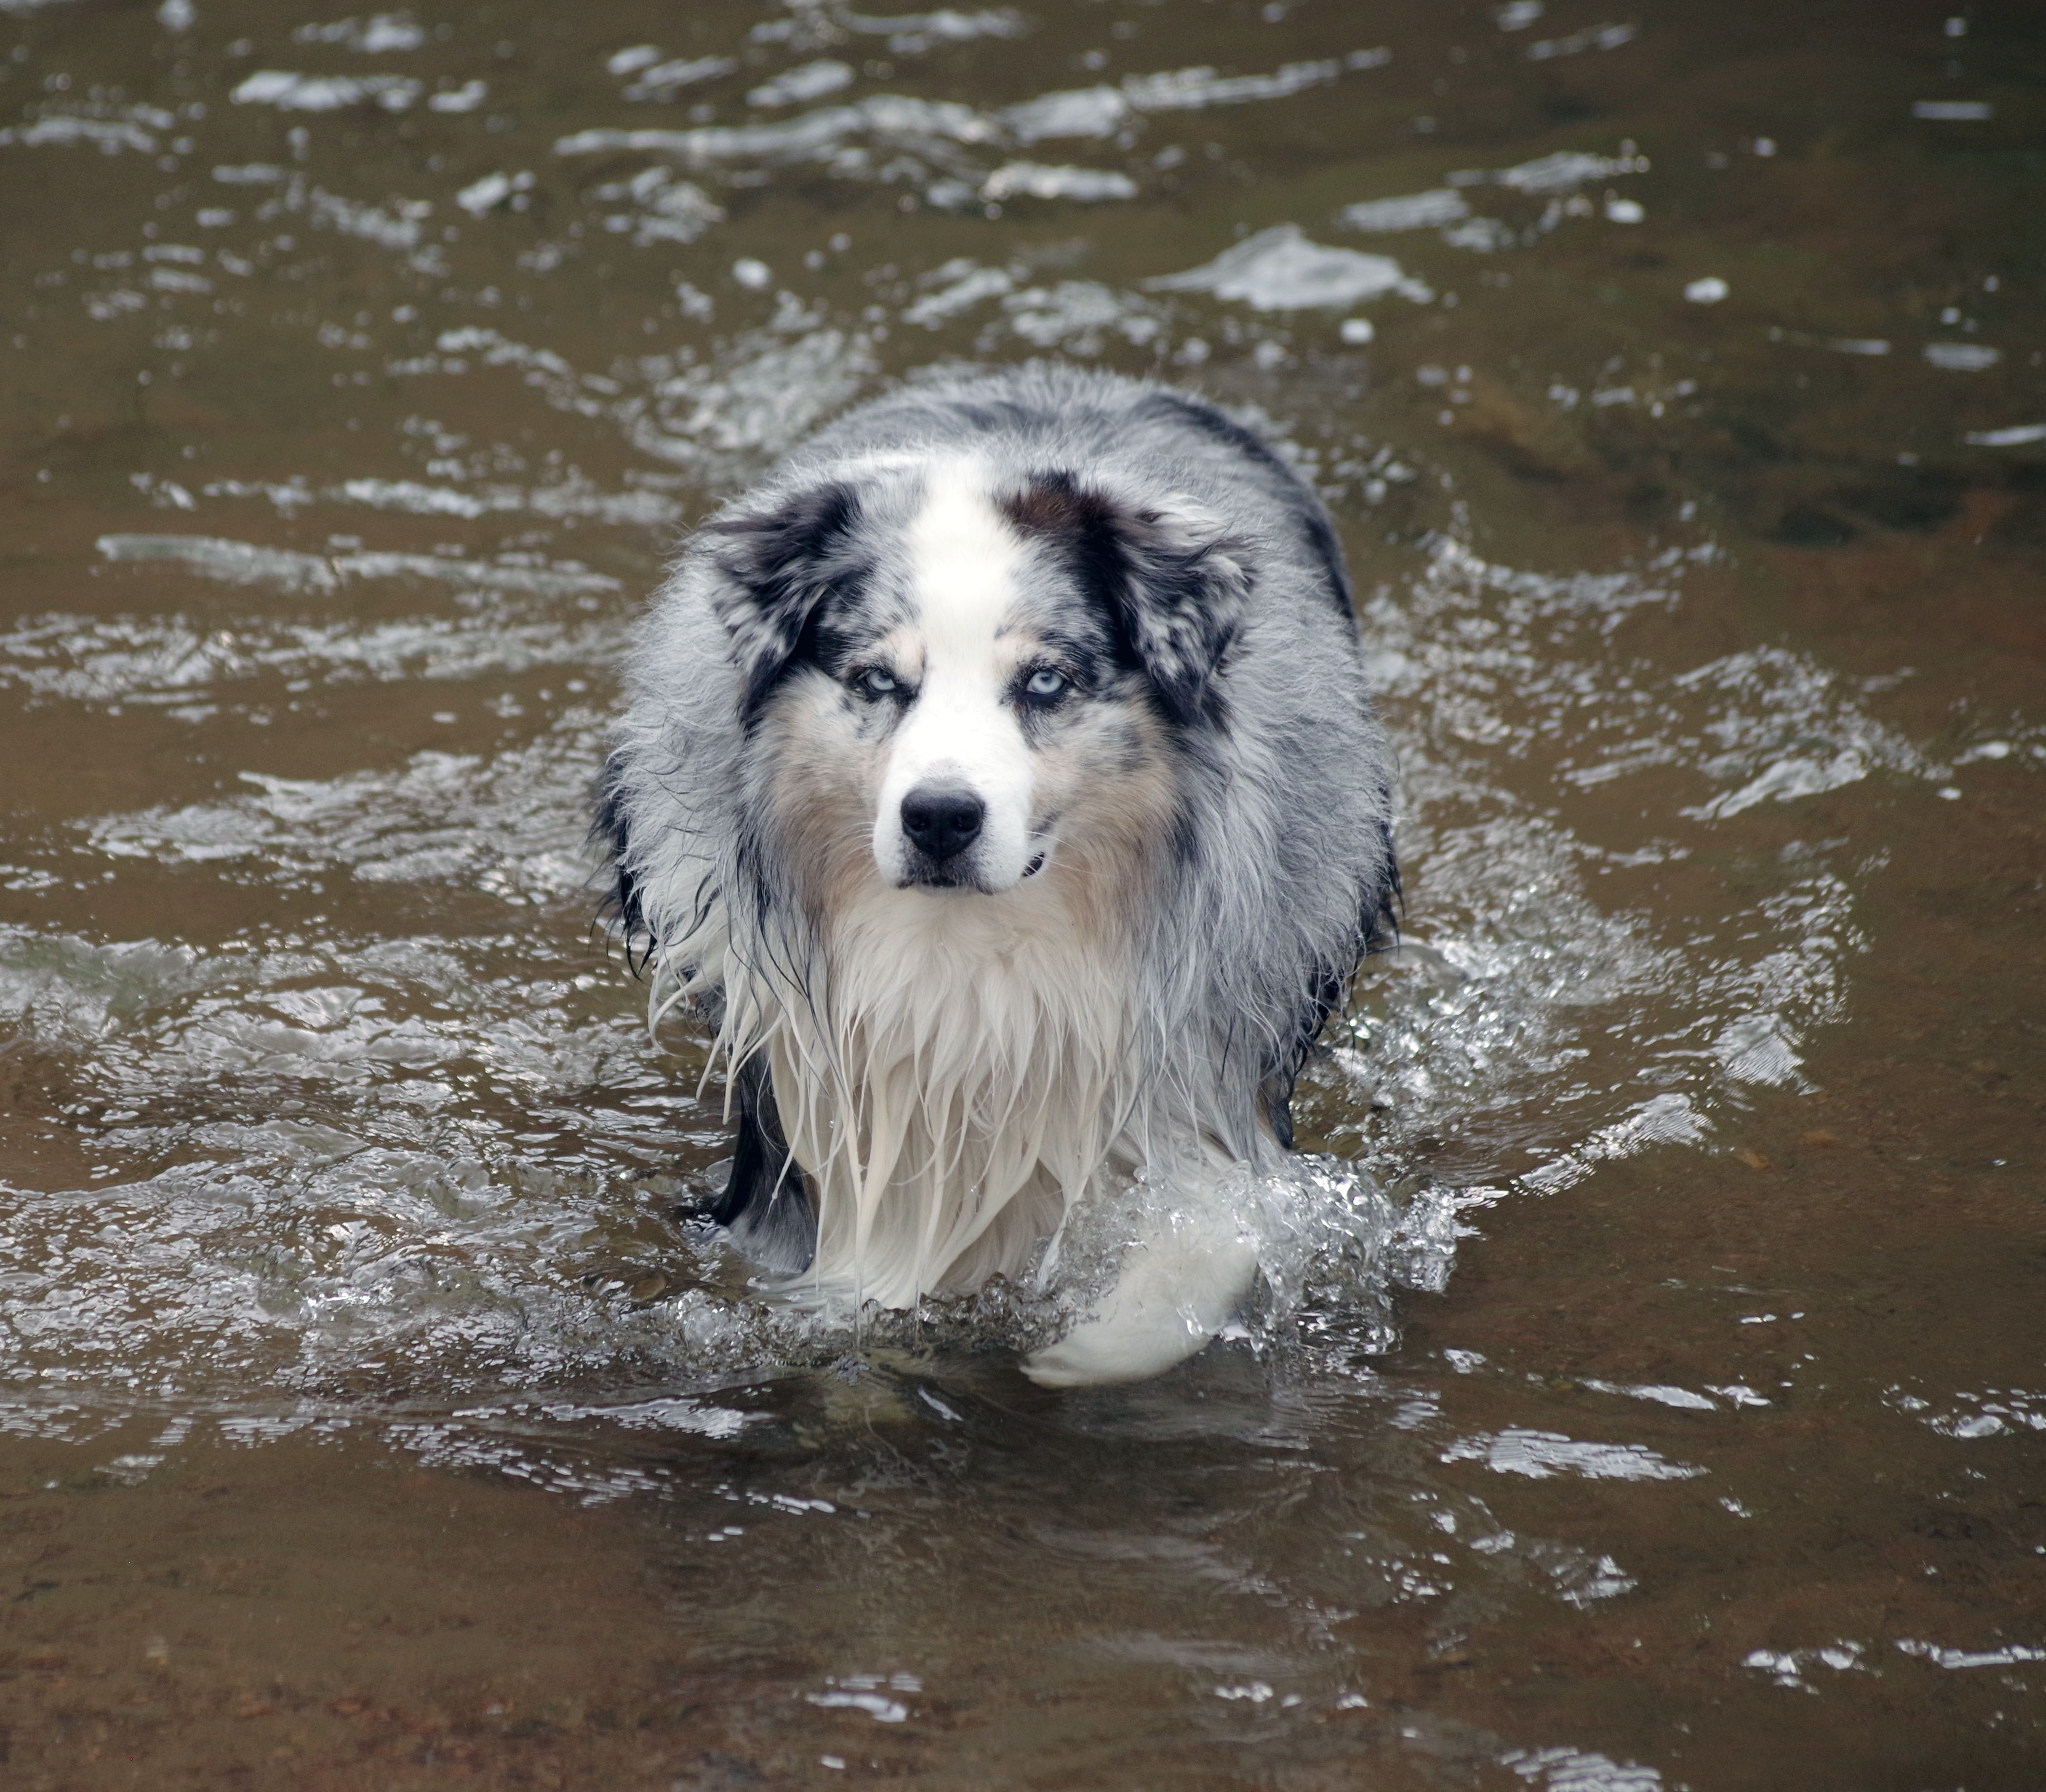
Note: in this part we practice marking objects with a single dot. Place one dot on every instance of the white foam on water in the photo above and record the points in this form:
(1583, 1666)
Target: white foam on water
(937, 146)
(1993, 1412)
(325, 93)
(808, 81)
(62, 130)
(378, 35)
(726, 416)
(1577, 1770)
(1410, 212)
(670, 210)
(2018, 435)
(245, 563)
(2011, 1655)
(1078, 112)
(1963, 357)
(1684, 1399)
(1591, 37)
(1078, 318)
(889, 120)
(1195, 90)
(1035, 180)
(1792, 1667)
(673, 1413)
(172, 660)
(572, 496)
(960, 284)
(1563, 173)
(510, 827)
(1542, 1454)
(1103, 110)
(723, 416)
(1279, 270)
(912, 34)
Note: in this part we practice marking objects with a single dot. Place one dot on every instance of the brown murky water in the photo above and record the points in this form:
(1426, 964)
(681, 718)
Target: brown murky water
(1656, 1396)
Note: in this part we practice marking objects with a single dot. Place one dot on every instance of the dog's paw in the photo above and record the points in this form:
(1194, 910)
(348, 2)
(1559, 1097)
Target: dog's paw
(1169, 1301)
(1101, 1352)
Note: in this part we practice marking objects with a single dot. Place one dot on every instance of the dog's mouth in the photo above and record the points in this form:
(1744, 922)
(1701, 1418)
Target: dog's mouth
(935, 877)
(963, 871)
(1043, 829)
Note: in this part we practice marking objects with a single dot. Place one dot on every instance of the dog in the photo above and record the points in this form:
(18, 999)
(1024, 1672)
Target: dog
(998, 780)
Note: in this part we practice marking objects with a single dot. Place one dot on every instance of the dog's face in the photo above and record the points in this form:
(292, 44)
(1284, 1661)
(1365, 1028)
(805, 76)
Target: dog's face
(984, 712)
(959, 684)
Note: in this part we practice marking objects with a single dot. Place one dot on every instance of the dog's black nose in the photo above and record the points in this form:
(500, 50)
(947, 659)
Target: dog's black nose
(941, 822)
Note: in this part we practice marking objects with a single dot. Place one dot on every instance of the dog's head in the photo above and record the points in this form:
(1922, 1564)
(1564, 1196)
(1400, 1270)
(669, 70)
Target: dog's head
(971, 675)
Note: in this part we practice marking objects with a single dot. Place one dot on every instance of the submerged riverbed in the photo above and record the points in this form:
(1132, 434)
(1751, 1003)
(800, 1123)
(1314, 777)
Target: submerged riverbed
(1650, 1391)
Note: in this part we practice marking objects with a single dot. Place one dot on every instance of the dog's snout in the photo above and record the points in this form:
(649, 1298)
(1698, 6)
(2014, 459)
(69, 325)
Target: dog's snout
(942, 821)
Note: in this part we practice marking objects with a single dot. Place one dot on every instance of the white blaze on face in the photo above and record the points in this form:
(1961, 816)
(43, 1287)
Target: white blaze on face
(962, 732)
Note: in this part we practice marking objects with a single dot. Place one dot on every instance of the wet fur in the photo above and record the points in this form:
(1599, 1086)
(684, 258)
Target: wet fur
(928, 1079)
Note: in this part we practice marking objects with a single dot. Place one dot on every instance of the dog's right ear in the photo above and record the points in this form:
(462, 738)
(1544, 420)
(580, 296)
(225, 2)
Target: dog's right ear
(778, 565)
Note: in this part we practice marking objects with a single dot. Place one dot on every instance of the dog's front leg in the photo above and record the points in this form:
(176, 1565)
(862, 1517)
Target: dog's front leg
(1177, 1288)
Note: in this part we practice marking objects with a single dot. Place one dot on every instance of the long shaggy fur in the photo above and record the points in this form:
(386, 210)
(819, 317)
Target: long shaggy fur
(929, 1079)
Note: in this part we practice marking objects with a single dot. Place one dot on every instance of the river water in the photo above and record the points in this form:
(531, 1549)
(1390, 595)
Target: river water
(1649, 1388)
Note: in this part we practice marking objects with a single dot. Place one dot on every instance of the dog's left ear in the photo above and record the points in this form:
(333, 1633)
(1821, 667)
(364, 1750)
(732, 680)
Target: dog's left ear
(777, 566)
(1185, 587)
(1174, 583)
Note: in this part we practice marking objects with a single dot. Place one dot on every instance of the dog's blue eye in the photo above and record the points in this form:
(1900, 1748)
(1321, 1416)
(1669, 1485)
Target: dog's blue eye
(1045, 682)
(875, 683)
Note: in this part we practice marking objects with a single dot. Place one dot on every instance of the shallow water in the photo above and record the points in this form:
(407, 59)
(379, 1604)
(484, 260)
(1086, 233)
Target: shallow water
(1649, 1389)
